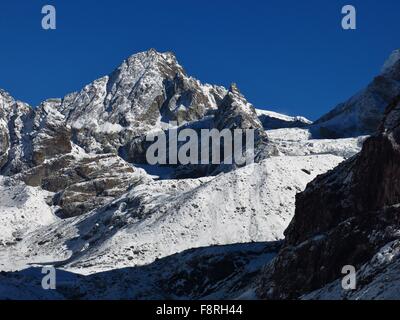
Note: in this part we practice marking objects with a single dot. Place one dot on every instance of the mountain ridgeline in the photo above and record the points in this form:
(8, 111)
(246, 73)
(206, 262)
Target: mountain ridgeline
(75, 187)
(67, 145)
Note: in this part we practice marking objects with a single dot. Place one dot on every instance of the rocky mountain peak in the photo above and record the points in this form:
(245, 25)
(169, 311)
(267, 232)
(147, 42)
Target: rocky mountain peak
(236, 112)
(109, 118)
(147, 91)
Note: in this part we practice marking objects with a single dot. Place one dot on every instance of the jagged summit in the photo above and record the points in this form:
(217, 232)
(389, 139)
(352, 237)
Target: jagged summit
(236, 112)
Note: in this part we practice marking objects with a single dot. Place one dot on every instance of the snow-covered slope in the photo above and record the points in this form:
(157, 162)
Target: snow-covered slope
(23, 209)
(254, 203)
(297, 142)
(274, 120)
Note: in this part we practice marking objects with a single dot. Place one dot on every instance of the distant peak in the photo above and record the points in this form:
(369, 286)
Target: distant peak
(391, 61)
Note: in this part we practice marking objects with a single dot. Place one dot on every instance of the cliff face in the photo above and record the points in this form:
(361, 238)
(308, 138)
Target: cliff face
(342, 218)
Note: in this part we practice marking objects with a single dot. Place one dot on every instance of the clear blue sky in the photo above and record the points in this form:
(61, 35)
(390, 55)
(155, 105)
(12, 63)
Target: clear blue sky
(286, 55)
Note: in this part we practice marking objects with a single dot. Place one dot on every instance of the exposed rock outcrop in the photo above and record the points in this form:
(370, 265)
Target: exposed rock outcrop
(236, 113)
(83, 182)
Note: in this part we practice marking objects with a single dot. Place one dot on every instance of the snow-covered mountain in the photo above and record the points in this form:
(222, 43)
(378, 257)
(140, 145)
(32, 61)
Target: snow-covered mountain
(147, 91)
(23, 209)
(160, 218)
(77, 193)
(65, 146)
(362, 113)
